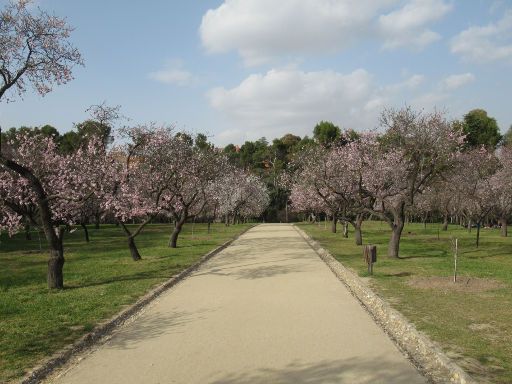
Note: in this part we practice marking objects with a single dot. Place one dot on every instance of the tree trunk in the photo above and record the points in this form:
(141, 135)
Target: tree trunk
(209, 226)
(55, 275)
(28, 235)
(97, 219)
(478, 234)
(504, 229)
(345, 230)
(173, 240)
(396, 233)
(334, 223)
(131, 242)
(358, 234)
(133, 249)
(445, 223)
(394, 242)
(86, 232)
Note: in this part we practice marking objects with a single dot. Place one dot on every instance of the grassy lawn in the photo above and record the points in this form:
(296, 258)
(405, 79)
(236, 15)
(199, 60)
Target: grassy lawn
(100, 279)
(473, 326)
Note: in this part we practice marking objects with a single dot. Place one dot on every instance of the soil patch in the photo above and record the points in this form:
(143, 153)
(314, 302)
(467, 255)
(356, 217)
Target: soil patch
(463, 284)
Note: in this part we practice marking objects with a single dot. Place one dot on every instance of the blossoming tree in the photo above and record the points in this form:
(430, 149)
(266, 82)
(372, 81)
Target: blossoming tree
(34, 50)
(48, 188)
(415, 150)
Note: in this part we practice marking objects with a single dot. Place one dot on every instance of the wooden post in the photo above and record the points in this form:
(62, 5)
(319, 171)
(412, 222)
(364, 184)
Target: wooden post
(455, 260)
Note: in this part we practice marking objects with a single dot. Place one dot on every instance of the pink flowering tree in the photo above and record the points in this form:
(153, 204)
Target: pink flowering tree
(314, 177)
(477, 189)
(346, 168)
(195, 169)
(335, 177)
(502, 184)
(34, 50)
(239, 194)
(139, 172)
(306, 200)
(49, 189)
(415, 151)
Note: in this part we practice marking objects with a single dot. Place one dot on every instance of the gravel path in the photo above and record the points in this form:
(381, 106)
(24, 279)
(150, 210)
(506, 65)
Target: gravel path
(264, 310)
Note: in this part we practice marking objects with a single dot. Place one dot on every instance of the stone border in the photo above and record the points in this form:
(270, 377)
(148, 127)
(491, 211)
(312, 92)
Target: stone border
(423, 353)
(104, 329)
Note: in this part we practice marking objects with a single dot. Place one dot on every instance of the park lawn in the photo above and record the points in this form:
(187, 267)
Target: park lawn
(100, 279)
(473, 328)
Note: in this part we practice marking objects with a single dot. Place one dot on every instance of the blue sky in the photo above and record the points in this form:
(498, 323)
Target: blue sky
(242, 69)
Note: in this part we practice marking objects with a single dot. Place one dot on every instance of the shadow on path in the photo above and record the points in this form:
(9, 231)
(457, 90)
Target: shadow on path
(153, 326)
(349, 371)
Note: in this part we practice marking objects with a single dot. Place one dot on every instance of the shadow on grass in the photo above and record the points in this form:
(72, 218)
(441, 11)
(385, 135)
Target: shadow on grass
(398, 274)
(148, 275)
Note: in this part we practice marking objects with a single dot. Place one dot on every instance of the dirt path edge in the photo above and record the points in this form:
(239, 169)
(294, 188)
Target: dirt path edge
(422, 352)
(106, 328)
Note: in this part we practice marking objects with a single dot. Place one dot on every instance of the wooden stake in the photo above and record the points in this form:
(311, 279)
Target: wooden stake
(455, 260)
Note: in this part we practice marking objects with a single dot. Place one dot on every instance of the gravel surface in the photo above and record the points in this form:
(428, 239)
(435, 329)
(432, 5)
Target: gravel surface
(264, 310)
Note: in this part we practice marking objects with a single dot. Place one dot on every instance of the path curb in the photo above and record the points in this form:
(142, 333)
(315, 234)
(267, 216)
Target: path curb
(60, 358)
(425, 355)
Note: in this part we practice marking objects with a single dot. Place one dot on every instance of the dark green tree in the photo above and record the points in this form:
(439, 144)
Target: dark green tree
(70, 142)
(233, 153)
(201, 142)
(326, 133)
(480, 129)
(46, 130)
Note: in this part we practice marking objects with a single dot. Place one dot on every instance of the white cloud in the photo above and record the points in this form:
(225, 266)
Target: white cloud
(173, 73)
(261, 30)
(488, 43)
(457, 81)
(439, 95)
(287, 100)
(407, 26)
(290, 100)
(410, 83)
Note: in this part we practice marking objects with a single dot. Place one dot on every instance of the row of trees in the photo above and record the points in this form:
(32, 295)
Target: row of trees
(270, 160)
(420, 165)
(153, 173)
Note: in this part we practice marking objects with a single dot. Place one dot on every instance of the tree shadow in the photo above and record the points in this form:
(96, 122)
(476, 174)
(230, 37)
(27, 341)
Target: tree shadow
(398, 274)
(148, 275)
(269, 271)
(350, 371)
(153, 325)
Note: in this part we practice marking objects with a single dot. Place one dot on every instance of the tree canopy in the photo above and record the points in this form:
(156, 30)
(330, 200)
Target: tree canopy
(326, 133)
(480, 129)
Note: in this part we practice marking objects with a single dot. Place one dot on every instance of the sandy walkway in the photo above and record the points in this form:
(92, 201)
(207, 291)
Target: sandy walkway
(265, 310)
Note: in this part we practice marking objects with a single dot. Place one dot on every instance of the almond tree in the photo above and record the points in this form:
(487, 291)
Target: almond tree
(314, 176)
(416, 149)
(335, 177)
(139, 173)
(345, 178)
(239, 194)
(502, 183)
(474, 181)
(194, 170)
(34, 50)
(48, 188)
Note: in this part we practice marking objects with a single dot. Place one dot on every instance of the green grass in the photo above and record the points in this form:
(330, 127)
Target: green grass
(475, 329)
(100, 279)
